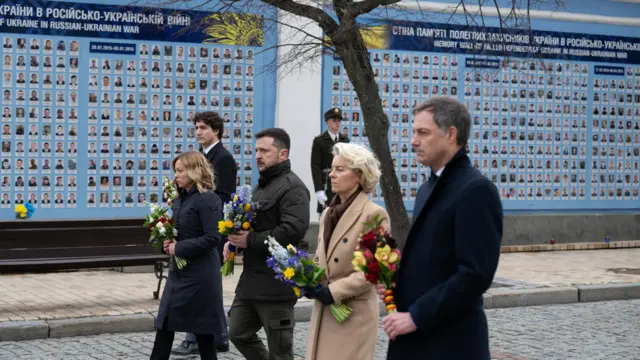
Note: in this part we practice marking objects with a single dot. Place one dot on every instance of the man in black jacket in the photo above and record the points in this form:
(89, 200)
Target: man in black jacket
(209, 128)
(262, 301)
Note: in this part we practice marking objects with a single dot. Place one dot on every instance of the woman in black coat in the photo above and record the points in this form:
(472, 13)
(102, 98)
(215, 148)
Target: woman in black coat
(188, 300)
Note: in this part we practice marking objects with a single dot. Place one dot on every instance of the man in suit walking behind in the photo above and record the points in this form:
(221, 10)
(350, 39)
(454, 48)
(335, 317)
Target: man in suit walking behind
(452, 250)
(261, 300)
(209, 128)
(322, 156)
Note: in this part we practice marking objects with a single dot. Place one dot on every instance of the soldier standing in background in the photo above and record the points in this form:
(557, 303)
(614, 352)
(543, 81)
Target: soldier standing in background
(322, 156)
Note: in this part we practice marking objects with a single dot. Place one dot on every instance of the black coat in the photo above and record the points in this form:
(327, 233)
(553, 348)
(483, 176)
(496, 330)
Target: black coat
(448, 262)
(188, 300)
(321, 159)
(282, 212)
(225, 170)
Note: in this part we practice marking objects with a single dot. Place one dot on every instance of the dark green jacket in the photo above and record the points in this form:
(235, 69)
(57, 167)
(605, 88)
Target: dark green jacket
(282, 212)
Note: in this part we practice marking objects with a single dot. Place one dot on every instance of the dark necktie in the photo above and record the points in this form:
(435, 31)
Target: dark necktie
(433, 178)
(432, 182)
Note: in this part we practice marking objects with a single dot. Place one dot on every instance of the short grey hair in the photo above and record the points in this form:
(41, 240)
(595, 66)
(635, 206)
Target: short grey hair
(361, 161)
(448, 112)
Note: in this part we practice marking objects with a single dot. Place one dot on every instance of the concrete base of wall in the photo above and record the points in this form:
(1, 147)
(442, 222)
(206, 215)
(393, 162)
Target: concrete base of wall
(564, 228)
(569, 228)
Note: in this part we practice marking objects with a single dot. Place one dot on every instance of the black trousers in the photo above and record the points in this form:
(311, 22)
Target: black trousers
(164, 342)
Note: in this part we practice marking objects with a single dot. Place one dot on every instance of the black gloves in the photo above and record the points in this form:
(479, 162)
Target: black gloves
(320, 293)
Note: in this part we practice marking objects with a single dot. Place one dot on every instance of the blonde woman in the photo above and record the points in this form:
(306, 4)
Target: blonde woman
(188, 300)
(354, 174)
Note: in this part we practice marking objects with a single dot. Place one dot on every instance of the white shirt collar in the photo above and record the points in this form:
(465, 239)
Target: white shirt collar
(333, 136)
(439, 172)
(206, 151)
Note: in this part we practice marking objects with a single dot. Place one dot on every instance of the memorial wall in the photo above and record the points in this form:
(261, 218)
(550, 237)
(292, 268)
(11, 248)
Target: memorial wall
(97, 99)
(555, 124)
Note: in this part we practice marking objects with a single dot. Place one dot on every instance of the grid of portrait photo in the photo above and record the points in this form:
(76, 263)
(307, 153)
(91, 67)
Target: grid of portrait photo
(141, 111)
(541, 129)
(529, 127)
(616, 136)
(405, 78)
(40, 96)
(137, 116)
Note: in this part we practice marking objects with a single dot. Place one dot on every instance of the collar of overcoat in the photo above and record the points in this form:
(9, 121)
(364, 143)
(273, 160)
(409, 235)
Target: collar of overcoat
(349, 219)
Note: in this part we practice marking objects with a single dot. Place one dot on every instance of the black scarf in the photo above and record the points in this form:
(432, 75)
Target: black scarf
(273, 172)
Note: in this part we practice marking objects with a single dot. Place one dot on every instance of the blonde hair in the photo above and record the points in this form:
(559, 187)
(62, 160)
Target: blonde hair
(362, 161)
(198, 169)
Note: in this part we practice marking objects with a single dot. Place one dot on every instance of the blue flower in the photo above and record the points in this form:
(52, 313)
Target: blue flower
(30, 209)
(292, 261)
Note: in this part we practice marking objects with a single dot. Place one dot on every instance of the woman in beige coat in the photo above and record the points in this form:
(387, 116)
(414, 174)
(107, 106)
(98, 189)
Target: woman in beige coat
(355, 172)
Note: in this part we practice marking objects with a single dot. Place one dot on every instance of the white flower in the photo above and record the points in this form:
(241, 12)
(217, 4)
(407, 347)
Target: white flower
(162, 231)
(175, 232)
(160, 225)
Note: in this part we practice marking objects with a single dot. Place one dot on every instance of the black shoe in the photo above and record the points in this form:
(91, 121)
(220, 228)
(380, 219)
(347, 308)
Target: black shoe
(185, 348)
(222, 348)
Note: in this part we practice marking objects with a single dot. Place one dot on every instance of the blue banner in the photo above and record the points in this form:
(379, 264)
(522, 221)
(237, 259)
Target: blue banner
(129, 22)
(493, 41)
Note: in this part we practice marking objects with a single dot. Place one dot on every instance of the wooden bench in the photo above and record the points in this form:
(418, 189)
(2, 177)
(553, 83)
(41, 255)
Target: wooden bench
(48, 246)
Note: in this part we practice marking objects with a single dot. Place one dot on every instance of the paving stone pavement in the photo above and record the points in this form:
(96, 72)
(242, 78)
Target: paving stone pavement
(585, 331)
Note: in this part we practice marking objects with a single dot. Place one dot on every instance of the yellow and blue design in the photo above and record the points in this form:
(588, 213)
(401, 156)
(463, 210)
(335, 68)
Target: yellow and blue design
(234, 29)
(374, 36)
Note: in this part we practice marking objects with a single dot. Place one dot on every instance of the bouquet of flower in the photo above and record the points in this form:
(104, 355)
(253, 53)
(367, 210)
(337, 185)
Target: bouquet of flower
(239, 214)
(161, 228)
(169, 191)
(25, 211)
(295, 268)
(378, 257)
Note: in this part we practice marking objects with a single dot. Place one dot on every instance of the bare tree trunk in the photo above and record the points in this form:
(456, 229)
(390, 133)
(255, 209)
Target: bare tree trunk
(350, 47)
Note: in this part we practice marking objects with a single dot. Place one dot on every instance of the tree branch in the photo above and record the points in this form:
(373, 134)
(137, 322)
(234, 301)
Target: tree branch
(366, 6)
(328, 25)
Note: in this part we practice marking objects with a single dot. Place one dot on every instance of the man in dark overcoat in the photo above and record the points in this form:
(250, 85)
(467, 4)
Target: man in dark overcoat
(209, 127)
(453, 246)
(322, 156)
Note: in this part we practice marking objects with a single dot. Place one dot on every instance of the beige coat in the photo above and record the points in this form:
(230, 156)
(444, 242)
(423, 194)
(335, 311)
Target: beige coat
(354, 339)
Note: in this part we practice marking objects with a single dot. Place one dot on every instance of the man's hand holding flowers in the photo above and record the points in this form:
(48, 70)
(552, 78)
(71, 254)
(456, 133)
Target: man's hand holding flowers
(239, 240)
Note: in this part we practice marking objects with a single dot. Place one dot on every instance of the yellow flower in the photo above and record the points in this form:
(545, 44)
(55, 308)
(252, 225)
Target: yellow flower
(247, 207)
(246, 225)
(23, 215)
(296, 290)
(228, 224)
(358, 260)
(221, 226)
(291, 248)
(21, 209)
(394, 256)
(382, 254)
(288, 273)
(235, 198)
